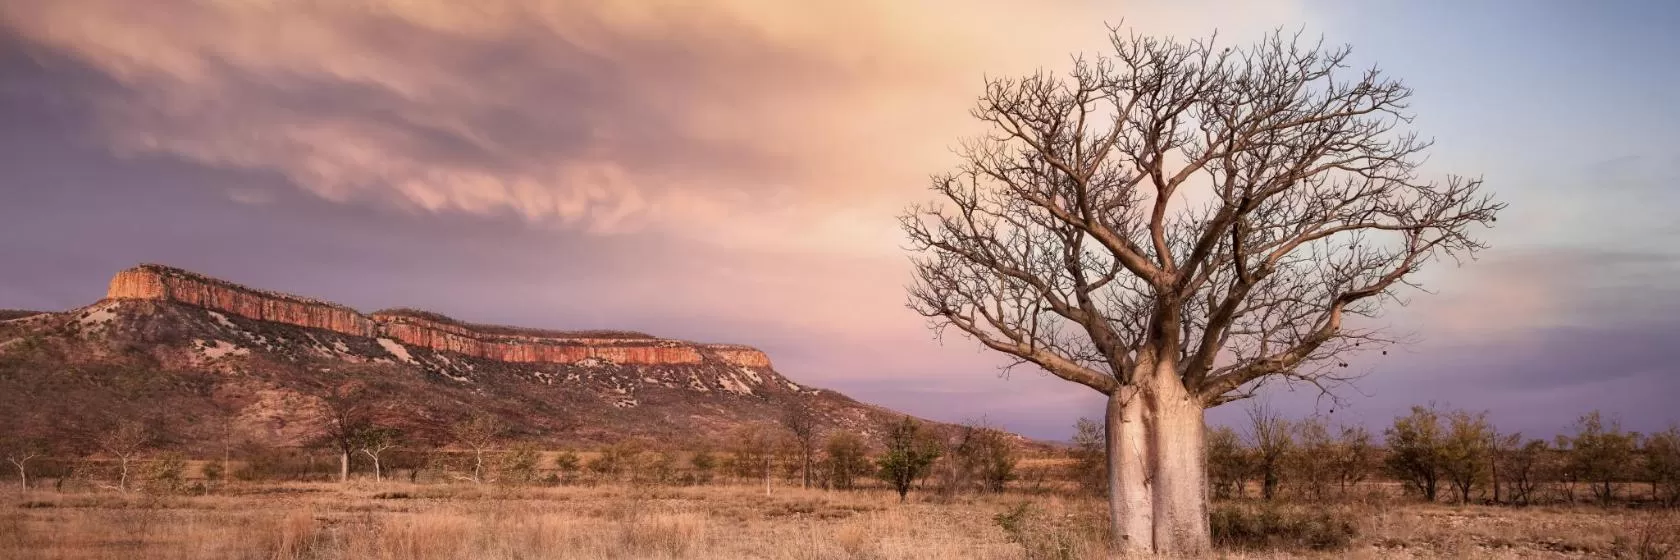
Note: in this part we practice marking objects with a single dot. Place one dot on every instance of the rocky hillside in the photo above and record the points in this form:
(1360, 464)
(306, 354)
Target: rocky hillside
(200, 360)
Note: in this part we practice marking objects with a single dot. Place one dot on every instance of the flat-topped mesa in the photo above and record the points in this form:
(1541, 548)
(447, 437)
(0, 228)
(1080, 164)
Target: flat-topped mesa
(422, 328)
(158, 282)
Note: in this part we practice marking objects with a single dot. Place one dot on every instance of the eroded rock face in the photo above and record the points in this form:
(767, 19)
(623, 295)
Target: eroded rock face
(745, 356)
(463, 339)
(426, 330)
(165, 283)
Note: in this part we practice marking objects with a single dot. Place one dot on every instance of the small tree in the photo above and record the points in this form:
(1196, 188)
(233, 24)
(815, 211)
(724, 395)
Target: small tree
(754, 453)
(617, 461)
(703, 463)
(19, 452)
(1561, 468)
(1414, 450)
(374, 441)
(987, 454)
(1090, 456)
(517, 466)
(1523, 469)
(1600, 453)
(802, 425)
(127, 442)
(567, 464)
(1356, 457)
(1662, 465)
(909, 455)
(477, 433)
(1228, 462)
(346, 413)
(1312, 460)
(844, 459)
(1270, 434)
(1465, 452)
(166, 474)
(1503, 450)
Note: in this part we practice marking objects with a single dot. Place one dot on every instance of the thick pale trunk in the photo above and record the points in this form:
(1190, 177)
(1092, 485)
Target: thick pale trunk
(344, 466)
(1157, 467)
(1129, 501)
(1178, 473)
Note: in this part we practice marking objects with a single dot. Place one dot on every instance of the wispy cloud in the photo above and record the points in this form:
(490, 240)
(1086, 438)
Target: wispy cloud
(742, 118)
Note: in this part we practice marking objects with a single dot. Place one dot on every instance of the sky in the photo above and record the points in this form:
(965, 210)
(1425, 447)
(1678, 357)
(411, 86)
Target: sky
(732, 170)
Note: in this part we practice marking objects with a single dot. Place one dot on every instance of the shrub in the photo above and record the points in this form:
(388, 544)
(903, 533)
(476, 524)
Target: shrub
(285, 464)
(1415, 442)
(212, 471)
(166, 474)
(703, 463)
(566, 465)
(988, 454)
(1600, 453)
(1656, 538)
(1269, 527)
(1090, 457)
(518, 466)
(1228, 462)
(1042, 536)
(911, 451)
(845, 459)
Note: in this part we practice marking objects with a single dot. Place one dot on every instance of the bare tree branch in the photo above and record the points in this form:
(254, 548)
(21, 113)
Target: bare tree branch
(1227, 210)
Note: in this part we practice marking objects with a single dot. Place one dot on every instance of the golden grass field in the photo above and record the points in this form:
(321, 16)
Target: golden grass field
(391, 521)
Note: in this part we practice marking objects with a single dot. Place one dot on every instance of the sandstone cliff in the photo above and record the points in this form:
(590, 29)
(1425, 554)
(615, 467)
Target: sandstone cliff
(422, 329)
(156, 282)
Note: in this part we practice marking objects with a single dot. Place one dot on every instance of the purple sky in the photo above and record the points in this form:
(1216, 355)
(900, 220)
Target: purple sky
(730, 172)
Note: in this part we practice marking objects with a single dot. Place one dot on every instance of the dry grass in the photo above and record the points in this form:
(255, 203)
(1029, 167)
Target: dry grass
(459, 521)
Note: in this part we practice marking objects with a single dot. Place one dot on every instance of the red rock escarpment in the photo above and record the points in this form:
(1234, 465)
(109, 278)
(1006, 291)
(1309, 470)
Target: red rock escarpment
(425, 330)
(164, 283)
(740, 355)
(462, 339)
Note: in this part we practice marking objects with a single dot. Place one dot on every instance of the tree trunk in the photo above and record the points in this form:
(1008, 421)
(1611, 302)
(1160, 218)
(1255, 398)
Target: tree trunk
(1129, 500)
(344, 465)
(1493, 468)
(1178, 473)
(377, 476)
(24, 475)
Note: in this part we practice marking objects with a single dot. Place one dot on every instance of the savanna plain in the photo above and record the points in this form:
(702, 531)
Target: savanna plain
(1036, 517)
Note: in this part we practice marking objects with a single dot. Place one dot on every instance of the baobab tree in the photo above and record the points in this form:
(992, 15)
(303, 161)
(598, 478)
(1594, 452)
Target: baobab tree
(1175, 225)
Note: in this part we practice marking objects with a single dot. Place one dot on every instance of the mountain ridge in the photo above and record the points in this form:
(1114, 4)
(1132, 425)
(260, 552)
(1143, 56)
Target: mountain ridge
(182, 350)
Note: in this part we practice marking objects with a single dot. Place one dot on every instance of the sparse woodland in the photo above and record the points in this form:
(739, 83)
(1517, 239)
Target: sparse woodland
(1281, 485)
